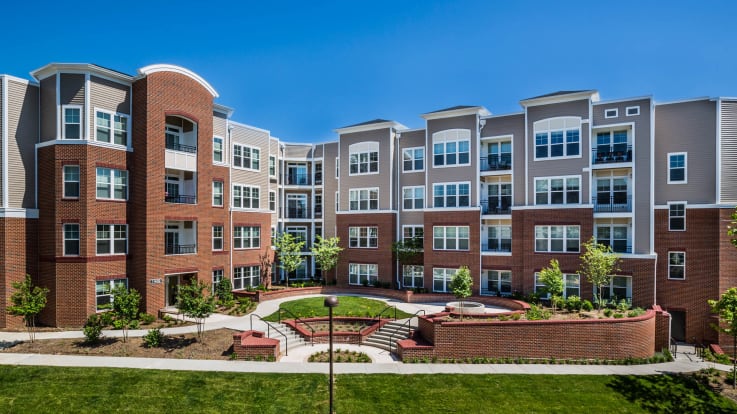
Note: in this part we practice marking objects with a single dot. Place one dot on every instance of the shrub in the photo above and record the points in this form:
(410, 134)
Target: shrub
(224, 292)
(516, 316)
(618, 315)
(147, 318)
(623, 305)
(106, 318)
(536, 313)
(93, 329)
(635, 312)
(587, 306)
(154, 338)
(608, 312)
(573, 303)
(244, 304)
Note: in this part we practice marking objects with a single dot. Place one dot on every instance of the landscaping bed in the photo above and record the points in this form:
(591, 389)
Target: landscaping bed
(340, 355)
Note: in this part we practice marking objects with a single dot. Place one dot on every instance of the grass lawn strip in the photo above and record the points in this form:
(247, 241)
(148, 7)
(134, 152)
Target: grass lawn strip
(348, 306)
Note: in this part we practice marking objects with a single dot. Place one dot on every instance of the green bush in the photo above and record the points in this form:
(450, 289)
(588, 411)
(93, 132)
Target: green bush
(573, 304)
(106, 318)
(635, 312)
(623, 305)
(587, 306)
(608, 312)
(147, 318)
(536, 313)
(154, 338)
(618, 315)
(224, 292)
(93, 328)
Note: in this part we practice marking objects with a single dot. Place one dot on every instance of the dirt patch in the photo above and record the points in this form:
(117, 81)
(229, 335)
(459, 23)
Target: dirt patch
(719, 381)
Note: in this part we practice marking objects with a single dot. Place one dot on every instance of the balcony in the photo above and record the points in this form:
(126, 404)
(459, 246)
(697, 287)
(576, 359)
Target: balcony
(181, 249)
(612, 203)
(618, 246)
(318, 178)
(298, 179)
(180, 237)
(318, 211)
(298, 213)
(493, 162)
(496, 207)
(497, 246)
(175, 146)
(180, 199)
(610, 154)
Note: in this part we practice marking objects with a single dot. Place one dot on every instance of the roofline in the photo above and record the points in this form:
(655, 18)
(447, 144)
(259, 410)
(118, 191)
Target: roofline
(412, 130)
(371, 127)
(20, 80)
(547, 100)
(47, 70)
(474, 110)
(636, 98)
(677, 101)
(240, 124)
(223, 109)
(503, 115)
(165, 67)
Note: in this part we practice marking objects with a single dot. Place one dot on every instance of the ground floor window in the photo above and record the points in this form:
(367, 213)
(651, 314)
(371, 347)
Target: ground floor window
(104, 292)
(217, 277)
(441, 278)
(300, 273)
(246, 276)
(413, 276)
(571, 285)
(496, 282)
(620, 287)
(362, 274)
(676, 265)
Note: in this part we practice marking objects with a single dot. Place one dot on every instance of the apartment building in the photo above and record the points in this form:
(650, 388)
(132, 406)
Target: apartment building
(145, 181)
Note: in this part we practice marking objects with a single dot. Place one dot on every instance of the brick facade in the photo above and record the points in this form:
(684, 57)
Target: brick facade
(381, 256)
(18, 242)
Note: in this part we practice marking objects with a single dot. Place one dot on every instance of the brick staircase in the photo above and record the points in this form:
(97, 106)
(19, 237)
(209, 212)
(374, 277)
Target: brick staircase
(386, 337)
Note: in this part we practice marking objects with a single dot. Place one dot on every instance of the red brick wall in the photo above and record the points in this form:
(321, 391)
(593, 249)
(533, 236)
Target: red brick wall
(452, 259)
(250, 345)
(18, 246)
(727, 267)
(382, 256)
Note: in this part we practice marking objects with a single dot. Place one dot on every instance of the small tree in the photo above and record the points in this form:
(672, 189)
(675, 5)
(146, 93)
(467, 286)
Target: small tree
(726, 307)
(194, 303)
(461, 285)
(597, 265)
(326, 252)
(266, 259)
(407, 251)
(224, 292)
(125, 308)
(552, 277)
(288, 250)
(27, 301)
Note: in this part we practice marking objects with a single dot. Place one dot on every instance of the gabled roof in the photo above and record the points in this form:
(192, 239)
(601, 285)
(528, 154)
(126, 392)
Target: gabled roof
(371, 122)
(51, 68)
(458, 110)
(370, 126)
(561, 96)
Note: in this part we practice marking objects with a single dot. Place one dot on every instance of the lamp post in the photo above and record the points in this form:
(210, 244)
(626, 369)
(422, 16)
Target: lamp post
(330, 303)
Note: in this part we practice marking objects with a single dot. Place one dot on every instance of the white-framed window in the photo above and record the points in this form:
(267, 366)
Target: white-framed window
(558, 137)
(451, 148)
(363, 237)
(297, 206)
(499, 238)
(450, 238)
(337, 167)
(451, 195)
(318, 205)
(272, 200)
(71, 122)
(104, 292)
(272, 166)
(111, 127)
(565, 239)
(112, 184)
(112, 239)
(611, 113)
(413, 198)
(217, 237)
(246, 276)
(362, 274)
(496, 282)
(413, 276)
(416, 232)
(571, 284)
(246, 157)
(273, 235)
(217, 150)
(71, 239)
(677, 216)
(619, 287)
(677, 265)
(217, 277)
(615, 236)
(246, 196)
(299, 233)
(337, 200)
(71, 181)
(246, 237)
(632, 110)
(413, 159)
(217, 193)
(363, 199)
(558, 190)
(441, 278)
(363, 158)
(677, 163)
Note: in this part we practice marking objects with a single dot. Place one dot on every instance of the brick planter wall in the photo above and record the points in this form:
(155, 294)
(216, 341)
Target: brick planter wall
(253, 344)
(323, 337)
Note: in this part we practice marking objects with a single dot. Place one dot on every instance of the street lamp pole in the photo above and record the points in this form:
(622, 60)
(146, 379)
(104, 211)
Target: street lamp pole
(330, 303)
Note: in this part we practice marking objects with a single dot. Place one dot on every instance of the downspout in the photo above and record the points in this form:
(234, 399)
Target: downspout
(398, 226)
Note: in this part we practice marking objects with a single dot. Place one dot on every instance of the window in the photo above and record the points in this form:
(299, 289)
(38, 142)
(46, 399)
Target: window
(611, 195)
(562, 190)
(272, 200)
(71, 181)
(499, 239)
(619, 287)
(112, 184)
(413, 198)
(337, 167)
(246, 237)
(413, 159)
(611, 113)
(363, 237)
(300, 235)
(677, 217)
(677, 168)
(571, 285)
(632, 110)
(499, 200)
(496, 282)
(364, 158)
(499, 156)
(452, 147)
(318, 205)
(217, 193)
(71, 239)
(558, 137)
(245, 196)
(318, 173)
(113, 126)
(452, 195)
(337, 201)
(363, 199)
(362, 274)
(104, 292)
(413, 276)
(112, 239)
(246, 276)
(450, 238)
(246, 157)
(272, 166)
(72, 128)
(441, 278)
(676, 265)
(217, 277)
(413, 233)
(614, 236)
(557, 239)
(217, 237)
(217, 149)
(297, 206)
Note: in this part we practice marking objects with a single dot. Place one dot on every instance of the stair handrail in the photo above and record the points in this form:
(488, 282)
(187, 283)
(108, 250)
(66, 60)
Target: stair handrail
(297, 319)
(673, 347)
(268, 331)
(378, 315)
(409, 328)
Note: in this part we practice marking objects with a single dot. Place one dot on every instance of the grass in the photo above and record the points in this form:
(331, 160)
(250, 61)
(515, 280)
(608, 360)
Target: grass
(347, 306)
(87, 390)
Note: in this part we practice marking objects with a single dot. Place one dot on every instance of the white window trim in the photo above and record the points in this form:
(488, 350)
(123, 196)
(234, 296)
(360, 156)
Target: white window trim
(222, 193)
(242, 186)
(412, 269)
(222, 151)
(378, 198)
(611, 113)
(424, 159)
(79, 179)
(272, 157)
(337, 167)
(369, 276)
(358, 154)
(636, 112)
(445, 195)
(685, 167)
(275, 203)
(111, 283)
(111, 229)
(565, 239)
(112, 184)
(254, 272)
(251, 147)
(112, 128)
(251, 238)
(414, 232)
(413, 187)
(610, 286)
(565, 189)
(547, 129)
(222, 237)
(685, 207)
(337, 201)
(684, 265)
(565, 284)
(367, 238)
(448, 274)
(498, 282)
(81, 121)
(64, 239)
(457, 238)
(441, 136)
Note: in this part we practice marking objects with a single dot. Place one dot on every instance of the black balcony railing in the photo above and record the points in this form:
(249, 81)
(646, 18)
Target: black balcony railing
(612, 203)
(618, 246)
(181, 199)
(180, 147)
(298, 213)
(606, 154)
(501, 246)
(492, 206)
(493, 162)
(298, 179)
(318, 211)
(318, 178)
(181, 248)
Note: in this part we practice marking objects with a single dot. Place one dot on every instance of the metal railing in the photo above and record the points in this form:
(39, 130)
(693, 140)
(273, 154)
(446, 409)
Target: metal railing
(181, 147)
(607, 154)
(505, 246)
(181, 199)
(318, 178)
(501, 207)
(269, 326)
(181, 248)
(297, 319)
(298, 179)
(409, 329)
(496, 162)
(377, 318)
(300, 213)
(673, 347)
(612, 203)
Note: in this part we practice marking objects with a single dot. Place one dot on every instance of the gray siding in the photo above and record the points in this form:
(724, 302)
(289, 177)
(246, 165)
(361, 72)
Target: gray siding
(71, 89)
(728, 190)
(259, 139)
(330, 186)
(513, 125)
(453, 174)
(48, 109)
(298, 151)
(109, 96)
(382, 180)
(688, 127)
(219, 124)
(22, 137)
(410, 140)
(621, 106)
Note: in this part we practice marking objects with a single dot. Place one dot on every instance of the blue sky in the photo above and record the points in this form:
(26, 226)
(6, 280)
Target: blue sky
(302, 69)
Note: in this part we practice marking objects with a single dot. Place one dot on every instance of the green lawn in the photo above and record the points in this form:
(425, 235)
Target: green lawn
(347, 306)
(83, 390)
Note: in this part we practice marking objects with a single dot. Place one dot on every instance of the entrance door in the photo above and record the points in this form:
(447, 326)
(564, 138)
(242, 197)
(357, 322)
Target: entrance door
(678, 325)
(172, 285)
